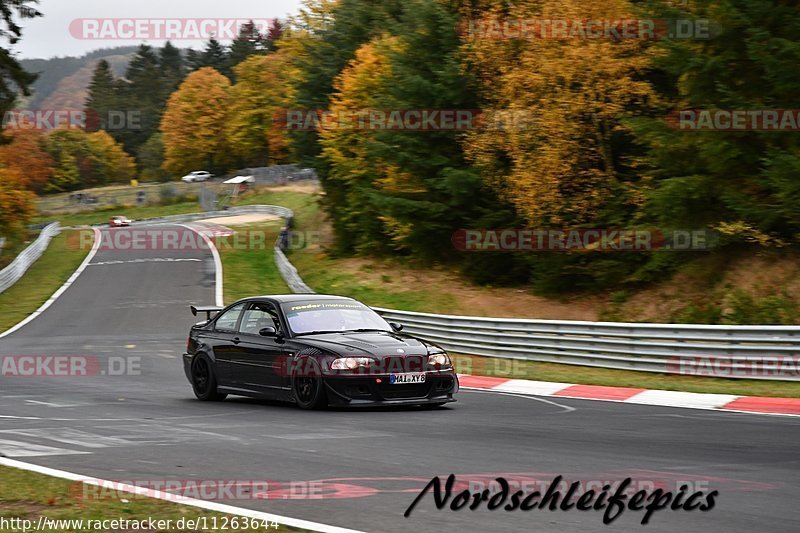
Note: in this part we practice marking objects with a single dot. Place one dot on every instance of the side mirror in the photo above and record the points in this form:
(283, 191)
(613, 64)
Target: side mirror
(396, 326)
(268, 332)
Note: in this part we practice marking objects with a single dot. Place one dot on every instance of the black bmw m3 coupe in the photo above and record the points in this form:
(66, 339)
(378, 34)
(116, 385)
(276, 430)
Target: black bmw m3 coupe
(314, 351)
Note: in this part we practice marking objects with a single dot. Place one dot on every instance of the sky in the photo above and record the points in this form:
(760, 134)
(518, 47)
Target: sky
(74, 27)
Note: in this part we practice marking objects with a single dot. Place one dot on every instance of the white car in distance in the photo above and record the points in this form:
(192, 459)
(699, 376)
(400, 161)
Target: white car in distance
(198, 175)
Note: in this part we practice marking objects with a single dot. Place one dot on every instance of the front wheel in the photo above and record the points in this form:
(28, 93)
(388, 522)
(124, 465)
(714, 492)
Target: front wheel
(204, 381)
(308, 387)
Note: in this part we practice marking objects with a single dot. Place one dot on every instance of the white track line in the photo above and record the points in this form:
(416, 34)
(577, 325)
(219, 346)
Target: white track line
(33, 316)
(217, 263)
(583, 398)
(177, 499)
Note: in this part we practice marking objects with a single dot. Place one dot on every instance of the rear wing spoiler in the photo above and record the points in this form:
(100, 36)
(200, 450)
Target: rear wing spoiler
(206, 309)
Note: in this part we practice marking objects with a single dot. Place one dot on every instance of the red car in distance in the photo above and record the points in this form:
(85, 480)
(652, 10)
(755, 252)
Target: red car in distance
(119, 222)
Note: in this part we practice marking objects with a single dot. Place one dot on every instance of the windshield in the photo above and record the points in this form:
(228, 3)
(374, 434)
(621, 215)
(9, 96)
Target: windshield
(329, 316)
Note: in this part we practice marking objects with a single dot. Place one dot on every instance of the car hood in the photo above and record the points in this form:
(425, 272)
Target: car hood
(379, 344)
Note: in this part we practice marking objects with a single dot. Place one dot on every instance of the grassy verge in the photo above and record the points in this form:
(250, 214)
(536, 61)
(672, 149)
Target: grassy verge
(101, 216)
(29, 496)
(251, 269)
(44, 278)
(584, 375)
(295, 200)
(330, 275)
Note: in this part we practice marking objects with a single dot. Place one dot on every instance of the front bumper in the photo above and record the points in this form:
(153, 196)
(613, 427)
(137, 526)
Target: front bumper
(367, 390)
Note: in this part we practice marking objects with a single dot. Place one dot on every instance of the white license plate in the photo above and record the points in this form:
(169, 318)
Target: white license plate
(405, 379)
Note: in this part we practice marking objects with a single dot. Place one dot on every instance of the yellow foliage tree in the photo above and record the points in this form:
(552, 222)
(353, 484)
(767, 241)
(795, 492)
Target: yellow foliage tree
(354, 163)
(567, 98)
(259, 94)
(194, 124)
(16, 203)
(115, 165)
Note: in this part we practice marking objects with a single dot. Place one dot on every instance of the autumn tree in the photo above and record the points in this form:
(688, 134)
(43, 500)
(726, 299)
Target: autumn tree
(353, 174)
(557, 158)
(84, 159)
(16, 200)
(194, 124)
(254, 136)
(556, 145)
(17, 203)
(26, 154)
(326, 36)
(109, 162)
(394, 189)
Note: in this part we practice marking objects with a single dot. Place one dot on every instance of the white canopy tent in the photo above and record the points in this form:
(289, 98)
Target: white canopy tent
(237, 183)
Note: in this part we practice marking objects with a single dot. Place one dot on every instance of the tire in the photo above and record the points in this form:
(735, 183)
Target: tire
(204, 381)
(308, 390)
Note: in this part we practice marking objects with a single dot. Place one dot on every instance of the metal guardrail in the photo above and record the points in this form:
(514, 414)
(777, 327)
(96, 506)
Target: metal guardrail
(696, 349)
(14, 271)
(290, 275)
(275, 210)
(663, 348)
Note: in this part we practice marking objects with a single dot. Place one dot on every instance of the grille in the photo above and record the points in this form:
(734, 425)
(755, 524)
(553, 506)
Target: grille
(407, 363)
(396, 392)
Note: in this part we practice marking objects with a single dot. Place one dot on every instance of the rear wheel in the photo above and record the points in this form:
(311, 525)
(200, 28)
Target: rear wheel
(308, 387)
(204, 381)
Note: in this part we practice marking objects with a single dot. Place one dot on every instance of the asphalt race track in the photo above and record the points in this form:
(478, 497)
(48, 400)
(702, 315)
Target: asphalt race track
(366, 466)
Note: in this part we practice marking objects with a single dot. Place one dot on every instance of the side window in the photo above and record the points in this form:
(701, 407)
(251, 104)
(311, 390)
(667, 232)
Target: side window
(257, 317)
(227, 321)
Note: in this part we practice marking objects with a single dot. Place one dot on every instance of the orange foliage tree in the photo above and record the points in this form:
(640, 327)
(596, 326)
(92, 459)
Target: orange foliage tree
(194, 124)
(354, 169)
(25, 153)
(16, 203)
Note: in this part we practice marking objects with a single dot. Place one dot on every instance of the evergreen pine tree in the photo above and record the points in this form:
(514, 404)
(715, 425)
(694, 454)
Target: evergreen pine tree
(102, 97)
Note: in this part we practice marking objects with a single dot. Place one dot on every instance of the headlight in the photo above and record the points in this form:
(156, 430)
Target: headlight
(439, 360)
(350, 363)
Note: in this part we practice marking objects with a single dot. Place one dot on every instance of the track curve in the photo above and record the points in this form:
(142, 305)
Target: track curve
(363, 469)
